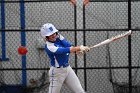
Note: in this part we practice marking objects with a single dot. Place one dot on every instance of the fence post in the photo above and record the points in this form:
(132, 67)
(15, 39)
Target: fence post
(3, 58)
(129, 47)
(23, 41)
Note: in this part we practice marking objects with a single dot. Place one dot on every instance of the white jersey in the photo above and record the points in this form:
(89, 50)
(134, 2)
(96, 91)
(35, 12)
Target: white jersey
(58, 52)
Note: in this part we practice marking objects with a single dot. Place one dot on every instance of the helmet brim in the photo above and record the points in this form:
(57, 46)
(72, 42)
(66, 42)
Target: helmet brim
(51, 33)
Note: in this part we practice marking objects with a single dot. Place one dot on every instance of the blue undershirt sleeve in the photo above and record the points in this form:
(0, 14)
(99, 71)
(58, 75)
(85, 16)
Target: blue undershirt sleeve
(62, 50)
(66, 43)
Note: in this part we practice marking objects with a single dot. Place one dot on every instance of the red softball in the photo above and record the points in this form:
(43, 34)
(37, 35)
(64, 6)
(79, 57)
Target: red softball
(22, 50)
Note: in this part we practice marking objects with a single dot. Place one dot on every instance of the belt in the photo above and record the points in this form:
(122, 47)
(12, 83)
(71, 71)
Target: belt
(63, 66)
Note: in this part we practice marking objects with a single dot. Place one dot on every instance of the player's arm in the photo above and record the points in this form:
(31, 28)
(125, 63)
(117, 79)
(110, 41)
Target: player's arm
(72, 49)
(61, 50)
(75, 49)
(79, 48)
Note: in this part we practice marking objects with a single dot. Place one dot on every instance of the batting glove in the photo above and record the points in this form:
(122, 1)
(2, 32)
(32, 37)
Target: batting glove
(84, 48)
(80, 52)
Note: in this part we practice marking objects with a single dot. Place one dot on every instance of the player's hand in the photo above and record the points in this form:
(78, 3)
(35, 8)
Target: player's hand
(80, 53)
(84, 48)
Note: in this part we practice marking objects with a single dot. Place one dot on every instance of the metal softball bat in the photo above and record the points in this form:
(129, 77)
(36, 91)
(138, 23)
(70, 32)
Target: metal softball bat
(112, 39)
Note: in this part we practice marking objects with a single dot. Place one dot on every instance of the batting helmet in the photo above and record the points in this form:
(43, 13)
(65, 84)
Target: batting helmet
(48, 29)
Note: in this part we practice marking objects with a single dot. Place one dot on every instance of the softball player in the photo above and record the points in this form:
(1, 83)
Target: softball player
(58, 50)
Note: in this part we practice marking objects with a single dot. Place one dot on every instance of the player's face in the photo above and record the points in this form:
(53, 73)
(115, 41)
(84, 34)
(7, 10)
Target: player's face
(52, 37)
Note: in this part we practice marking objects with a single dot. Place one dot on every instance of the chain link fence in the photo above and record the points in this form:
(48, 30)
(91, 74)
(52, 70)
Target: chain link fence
(105, 69)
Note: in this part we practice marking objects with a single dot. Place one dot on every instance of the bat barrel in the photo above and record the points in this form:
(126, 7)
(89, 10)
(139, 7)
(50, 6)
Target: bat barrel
(112, 39)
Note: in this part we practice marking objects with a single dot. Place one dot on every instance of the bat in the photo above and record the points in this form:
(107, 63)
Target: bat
(112, 39)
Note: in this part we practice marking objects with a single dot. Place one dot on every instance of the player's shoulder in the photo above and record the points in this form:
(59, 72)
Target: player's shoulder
(51, 46)
(49, 43)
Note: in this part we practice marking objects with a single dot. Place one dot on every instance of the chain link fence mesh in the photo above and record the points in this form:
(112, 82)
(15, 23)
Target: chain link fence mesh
(100, 77)
(107, 15)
